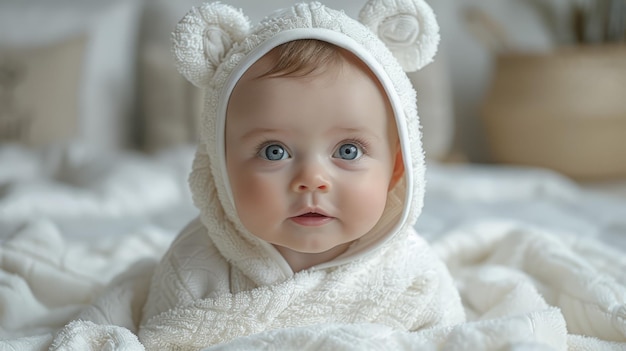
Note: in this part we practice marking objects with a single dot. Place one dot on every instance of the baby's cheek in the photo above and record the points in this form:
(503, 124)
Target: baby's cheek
(366, 199)
(255, 198)
(374, 203)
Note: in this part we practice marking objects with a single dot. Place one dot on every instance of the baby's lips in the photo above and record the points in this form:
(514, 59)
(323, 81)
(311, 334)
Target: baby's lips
(312, 214)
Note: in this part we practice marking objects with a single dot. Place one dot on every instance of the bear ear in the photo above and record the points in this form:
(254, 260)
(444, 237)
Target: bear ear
(408, 28)
(204, 36)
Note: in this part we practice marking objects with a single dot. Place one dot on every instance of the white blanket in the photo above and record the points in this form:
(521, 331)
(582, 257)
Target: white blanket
(522, 288)
(91, 251)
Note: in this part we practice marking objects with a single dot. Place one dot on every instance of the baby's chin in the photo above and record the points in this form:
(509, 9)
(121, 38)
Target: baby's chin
(314, 253)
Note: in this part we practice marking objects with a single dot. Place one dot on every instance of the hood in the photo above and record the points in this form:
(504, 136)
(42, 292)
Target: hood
(214, 45)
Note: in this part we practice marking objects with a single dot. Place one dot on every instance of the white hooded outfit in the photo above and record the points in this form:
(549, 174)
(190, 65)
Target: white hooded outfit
(218, 282)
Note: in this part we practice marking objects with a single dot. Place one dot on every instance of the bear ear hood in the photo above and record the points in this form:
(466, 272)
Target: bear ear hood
(214, 45)
(207, 33)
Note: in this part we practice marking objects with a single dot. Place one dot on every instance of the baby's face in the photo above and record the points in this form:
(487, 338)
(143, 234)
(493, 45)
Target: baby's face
(310, 159)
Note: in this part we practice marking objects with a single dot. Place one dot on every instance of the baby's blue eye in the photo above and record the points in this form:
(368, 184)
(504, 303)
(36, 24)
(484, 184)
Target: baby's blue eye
(348, 152)
(274, 152)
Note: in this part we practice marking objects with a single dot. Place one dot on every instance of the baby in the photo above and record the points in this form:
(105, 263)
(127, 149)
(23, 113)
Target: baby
(309, 178)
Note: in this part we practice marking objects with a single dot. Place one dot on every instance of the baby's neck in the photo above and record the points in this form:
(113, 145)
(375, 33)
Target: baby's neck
(299, 261)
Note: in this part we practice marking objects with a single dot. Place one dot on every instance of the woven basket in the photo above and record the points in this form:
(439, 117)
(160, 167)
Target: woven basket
(565, 110)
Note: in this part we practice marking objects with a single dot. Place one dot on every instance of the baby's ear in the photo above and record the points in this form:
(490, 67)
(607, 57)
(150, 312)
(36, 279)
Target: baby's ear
(408, 28)
(398, 168)
(204, 36)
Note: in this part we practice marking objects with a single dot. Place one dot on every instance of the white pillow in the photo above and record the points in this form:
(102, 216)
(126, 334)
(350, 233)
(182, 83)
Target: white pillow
(108, 74)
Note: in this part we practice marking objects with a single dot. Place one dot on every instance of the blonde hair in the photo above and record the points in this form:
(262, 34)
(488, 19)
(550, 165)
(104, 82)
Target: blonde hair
(300, 58)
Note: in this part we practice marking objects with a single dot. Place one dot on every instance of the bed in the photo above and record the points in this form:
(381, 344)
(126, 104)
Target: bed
(72, 220)
(91, 196)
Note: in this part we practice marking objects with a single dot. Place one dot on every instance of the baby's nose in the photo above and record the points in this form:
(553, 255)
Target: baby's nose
(310, 177)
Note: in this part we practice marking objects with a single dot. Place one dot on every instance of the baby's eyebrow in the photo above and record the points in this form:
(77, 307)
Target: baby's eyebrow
(256, 132)
(358, 130)
(361, 130)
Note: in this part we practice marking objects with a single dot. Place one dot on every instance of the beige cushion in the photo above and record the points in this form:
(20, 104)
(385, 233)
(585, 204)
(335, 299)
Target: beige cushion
(171, 106)
(108, 72)
(40, 92)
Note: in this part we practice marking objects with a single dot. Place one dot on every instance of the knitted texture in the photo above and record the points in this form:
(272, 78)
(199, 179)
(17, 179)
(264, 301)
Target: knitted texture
(408, 28)
(405, 287)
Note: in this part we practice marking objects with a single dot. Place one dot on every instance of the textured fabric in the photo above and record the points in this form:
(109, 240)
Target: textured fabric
(523, 289)
(405, 287)
(88, 336)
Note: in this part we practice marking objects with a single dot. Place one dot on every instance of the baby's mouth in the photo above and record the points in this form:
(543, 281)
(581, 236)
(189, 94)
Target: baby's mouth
(311, 219)
(313, 215)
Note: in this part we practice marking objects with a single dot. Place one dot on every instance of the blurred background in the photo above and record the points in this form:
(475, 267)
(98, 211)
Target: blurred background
(528, 82)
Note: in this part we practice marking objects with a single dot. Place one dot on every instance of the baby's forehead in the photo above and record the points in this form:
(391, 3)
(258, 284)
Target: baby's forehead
(305, 58)
(344, 67)
(347, 71)
(293, 64)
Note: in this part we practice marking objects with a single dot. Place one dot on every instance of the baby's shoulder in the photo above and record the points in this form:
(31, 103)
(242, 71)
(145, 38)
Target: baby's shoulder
(193, 244)
(193, 232)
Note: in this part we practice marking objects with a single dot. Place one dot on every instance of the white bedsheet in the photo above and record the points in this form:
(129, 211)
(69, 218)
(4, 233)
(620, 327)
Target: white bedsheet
(71, 221)
(88, 194)
(459, 193)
